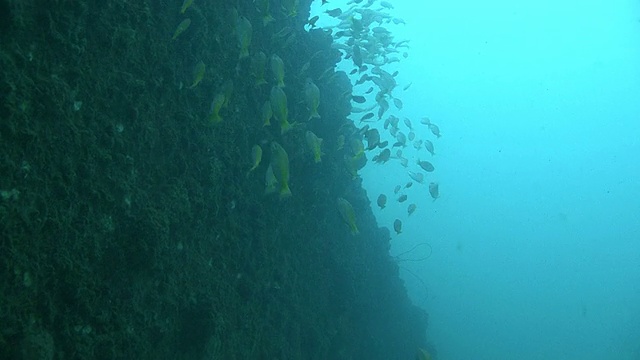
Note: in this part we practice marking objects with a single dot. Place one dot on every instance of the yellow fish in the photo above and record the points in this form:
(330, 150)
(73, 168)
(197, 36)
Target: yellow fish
(258, 62)
(312, 97)
(279, 107)
(315, 144)
(263, 8)
(256, 157)
(244, 31)
(270, 181)
(185, 6)
(423, 355)
(348, 215)
(216, 104)
(280, 166)
(198, 74)
(277, 68)
(267, 113)
(184, 25)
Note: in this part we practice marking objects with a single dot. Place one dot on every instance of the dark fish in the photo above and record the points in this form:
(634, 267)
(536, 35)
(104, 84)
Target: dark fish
(369, 91)
(383, 144)
(366, 116)
(397, 189)
(335, 12)
(429, 146)
(409, 184)
(411, 209)
(383, 157)
(402, 198)
(426, 166)
(434, 190)
(382, 201)
(353, 71)
(397, 226)
(357, 56)
(362, 79)
(435, 130)
(359, 99)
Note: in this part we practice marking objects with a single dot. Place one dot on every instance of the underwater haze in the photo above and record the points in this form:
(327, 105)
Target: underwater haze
(535, 237)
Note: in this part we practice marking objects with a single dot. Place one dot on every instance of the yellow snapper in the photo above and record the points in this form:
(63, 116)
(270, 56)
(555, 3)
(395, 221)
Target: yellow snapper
(184, 25)
(216, 104)
(279, 107)
(263, 8)
(198, 74)
(348, 215)
(312, 97)
(315, 144)
(258, 62)
(244, 31)
(185, 6)
(270, 181)
(267, 113)
(290, 7)
(280, 166)
(277, 68)
(256, 157)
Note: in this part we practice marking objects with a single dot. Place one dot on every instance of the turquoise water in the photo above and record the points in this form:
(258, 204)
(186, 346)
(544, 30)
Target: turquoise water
(536, 236)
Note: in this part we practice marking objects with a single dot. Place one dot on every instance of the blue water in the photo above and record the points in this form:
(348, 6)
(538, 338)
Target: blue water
(536, 236)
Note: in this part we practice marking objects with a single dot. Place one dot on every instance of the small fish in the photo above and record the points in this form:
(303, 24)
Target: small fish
(397, 226)
(417, 177)
(407, 123)
(411, 209)
(373, 138)
(406, 87)
(396, 190)
(267, 113)
(353, 71)
(270, 181)
(198, 74)
(426, 166)
(366, 116)
(244, 31)
(369, 90)
(429, 146)
(256, 157)
(398, 103)
(312, 97)
(402, 198)
(348, 215)
(280, 166)
(435, 130)
(258, 62)
(184, 25)
(382, 201)
(434, 190)
(279, 107)
(312, 21)
(423, 355)
(411, 136)
(185, 6)
(408, 185)
(340, 142)
(359, 99)
(315, 145)
(383, 144)
(277, 68)
(383, 157)
(216, 105)
(334, 13)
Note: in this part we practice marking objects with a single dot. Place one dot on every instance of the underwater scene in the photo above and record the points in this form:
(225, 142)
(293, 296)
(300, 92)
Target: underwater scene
(319, 179)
